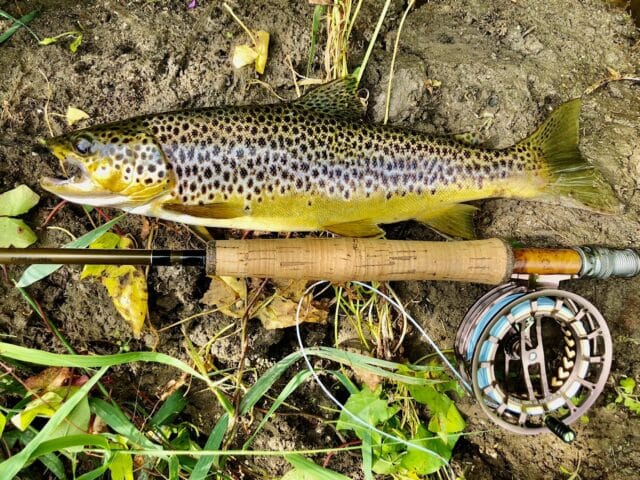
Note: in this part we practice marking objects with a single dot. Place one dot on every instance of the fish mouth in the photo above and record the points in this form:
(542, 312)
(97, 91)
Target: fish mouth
(79, 187)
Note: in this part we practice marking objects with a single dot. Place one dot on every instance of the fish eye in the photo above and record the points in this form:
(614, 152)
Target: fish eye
(82, 145)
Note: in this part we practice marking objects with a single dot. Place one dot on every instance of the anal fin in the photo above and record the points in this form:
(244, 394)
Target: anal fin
(211, 210)
(454, 220)
(359, 228)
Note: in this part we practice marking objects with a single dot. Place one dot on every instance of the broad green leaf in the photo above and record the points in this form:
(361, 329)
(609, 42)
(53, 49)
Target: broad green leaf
(77, 423)
(15, 233)
(3, 422)
(18, 201)
(423, 463)
(38, 272)
(443, 425)
(121, 466)
(429, 396)
(627, 384)
(369, 407)
(307, 470)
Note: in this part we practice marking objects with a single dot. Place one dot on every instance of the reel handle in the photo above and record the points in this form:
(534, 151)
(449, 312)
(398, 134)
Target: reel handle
(342, 259)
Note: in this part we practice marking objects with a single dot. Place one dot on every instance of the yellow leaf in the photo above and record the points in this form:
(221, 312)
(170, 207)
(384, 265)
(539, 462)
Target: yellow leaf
(127, 287)
(280, 312)
(108, 240)
(74, 115)
(262, 49)
(243, 55)
(42, 406)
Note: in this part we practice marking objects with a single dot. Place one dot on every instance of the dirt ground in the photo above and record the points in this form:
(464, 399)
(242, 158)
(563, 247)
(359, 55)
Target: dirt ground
(502, 65)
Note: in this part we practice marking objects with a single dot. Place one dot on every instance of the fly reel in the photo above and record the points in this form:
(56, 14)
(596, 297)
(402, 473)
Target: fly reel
(536, 359)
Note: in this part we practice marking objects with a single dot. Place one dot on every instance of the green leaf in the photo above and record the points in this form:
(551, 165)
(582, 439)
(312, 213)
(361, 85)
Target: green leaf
(627, 384)
(297, 380)
(416, 460)
(44, 405)
(367, 406)
(443, 425)
(429, 396)
(38, 272)
(170, 409)
(15, 233)
(73, 46)
(18, 201)
(121, 466)
(17, 24)
(118, 421)
(77, 423)
(201, 470)
(3, 422)
(70, 442)
(307, 470)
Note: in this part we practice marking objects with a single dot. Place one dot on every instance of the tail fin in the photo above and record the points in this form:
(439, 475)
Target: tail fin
(569, 175)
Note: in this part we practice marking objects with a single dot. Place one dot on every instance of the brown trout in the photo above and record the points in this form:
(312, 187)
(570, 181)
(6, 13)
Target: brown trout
(315, 164)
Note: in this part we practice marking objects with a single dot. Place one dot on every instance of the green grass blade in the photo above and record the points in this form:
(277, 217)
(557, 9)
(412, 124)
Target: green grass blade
(297, 380)
(118, 421)
(17, 24)
(10, 467)
(201, 470)
(93, 474)
(39, 357)
(318, 13)
(70, 441)
(367, 455)
(38, 272)
(266, 381)
(54, 464)
(170, 409)
(313, 470)
(174, 468)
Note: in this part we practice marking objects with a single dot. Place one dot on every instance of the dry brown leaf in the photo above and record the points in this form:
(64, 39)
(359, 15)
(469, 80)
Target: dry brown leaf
(227, 294)
(49, 379)
(280, 312)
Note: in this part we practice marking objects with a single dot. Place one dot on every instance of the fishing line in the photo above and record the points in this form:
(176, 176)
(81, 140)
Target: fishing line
(337, 402)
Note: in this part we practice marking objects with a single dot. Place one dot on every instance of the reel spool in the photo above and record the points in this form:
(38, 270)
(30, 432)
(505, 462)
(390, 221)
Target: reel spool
(536, 359)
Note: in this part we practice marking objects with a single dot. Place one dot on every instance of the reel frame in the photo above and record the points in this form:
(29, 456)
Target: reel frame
(508, 327)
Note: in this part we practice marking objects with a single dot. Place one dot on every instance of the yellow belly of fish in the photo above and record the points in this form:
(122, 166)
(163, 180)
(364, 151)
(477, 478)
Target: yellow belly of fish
(357, 216)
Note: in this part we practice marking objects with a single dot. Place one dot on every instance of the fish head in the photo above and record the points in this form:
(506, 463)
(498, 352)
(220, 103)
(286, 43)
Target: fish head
(114, 165)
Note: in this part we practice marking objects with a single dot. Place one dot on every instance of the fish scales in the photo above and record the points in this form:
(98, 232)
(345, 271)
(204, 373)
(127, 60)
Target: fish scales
(306, 165)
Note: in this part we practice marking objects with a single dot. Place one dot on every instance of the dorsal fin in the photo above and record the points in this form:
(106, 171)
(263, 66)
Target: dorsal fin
(338, 98)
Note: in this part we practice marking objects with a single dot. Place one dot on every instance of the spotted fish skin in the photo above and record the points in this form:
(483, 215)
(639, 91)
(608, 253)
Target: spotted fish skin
(314, 164)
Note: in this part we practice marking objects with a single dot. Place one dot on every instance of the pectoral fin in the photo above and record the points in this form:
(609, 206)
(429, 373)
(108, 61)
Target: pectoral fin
(455, 220)
(211, 210)
(360, 228)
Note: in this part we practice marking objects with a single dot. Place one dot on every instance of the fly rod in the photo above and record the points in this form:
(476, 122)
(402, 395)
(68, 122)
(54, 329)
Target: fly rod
(490, 261)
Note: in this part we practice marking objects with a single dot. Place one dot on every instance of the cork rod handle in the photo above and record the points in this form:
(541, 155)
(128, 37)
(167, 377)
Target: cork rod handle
(343, 259)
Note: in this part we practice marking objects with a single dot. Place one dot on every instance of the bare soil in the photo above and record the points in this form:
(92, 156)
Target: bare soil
(502, 65)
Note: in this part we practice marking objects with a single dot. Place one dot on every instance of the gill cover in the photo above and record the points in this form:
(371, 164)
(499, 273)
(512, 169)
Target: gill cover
(117, 167)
